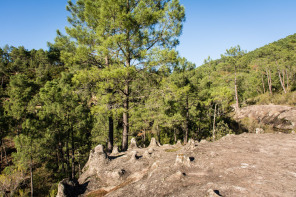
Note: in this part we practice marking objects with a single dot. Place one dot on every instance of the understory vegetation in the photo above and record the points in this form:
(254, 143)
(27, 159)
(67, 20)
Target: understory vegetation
(108, 81)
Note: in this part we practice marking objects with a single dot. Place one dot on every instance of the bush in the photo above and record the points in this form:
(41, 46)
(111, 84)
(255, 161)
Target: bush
(222, 129)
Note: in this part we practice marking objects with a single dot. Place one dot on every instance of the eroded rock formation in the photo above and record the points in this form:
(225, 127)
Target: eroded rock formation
(221, 168)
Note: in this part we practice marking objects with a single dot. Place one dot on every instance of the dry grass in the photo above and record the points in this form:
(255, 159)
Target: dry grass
(172, 150)
(98, 193)
(102, 192)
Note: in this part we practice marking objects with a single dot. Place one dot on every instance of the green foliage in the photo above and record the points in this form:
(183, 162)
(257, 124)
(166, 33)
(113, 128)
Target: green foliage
(277, 99)
(20, 91)
(254, 69)
(23, 193)
(222, 129)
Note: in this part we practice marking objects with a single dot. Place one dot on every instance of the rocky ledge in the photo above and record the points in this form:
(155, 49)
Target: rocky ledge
(277, 116)
(236, 165)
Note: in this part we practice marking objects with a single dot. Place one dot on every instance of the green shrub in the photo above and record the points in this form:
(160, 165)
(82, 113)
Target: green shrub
(222, 129)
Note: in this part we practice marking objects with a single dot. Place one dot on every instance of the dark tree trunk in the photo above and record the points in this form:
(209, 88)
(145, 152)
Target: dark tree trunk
(73, 155)
(61, 153)
(199, 124)
(235, 90)
(214, 123)
(111, 132)
(68, 158)
(126, 89)
(31, 171)
(125, 119)
(186, 121)
(1, 155)
(110, 119)
(1, 144)
(158, 133)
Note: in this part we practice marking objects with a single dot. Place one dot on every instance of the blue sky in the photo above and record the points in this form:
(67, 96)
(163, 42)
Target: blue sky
(211, 26)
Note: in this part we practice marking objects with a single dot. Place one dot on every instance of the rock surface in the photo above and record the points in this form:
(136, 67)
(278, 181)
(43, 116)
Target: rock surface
(133, 144)
(278, 116)
(239, 165)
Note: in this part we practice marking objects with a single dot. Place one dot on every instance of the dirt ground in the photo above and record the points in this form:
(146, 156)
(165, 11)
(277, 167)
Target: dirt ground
(242, 165)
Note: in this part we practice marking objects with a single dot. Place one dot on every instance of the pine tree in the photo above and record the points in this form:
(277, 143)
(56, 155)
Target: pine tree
(232, 55)
(125, 32)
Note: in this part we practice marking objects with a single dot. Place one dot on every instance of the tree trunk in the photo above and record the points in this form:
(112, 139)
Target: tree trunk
(214, 123)
(73, 155)
(68, 158)
(236, 94)
(263, 84)
(283, 72)
(158, 132)
(110, 118)
(125, 119)
(268, 74)
(126, 89)
(5, 154)
(31, 175)
(186, 122)
(287, 77)
(111, 132)
(175, 135)
(1, 150)
(144, 138)
(61, 153)
(199, 124)
(78, 158)
(31, 171)
(282, 82)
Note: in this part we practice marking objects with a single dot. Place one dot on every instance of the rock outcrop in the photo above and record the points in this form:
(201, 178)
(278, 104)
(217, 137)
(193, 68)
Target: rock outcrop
(222, 168)
(153, 143)
(277, 116)
(115, 150)
(182, 160)
(133, 144)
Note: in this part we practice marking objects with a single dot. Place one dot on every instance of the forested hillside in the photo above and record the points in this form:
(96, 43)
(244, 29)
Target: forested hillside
(265, 75)
(103, 83)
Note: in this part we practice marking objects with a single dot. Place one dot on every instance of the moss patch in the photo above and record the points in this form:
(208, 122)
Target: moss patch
(172, 150)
